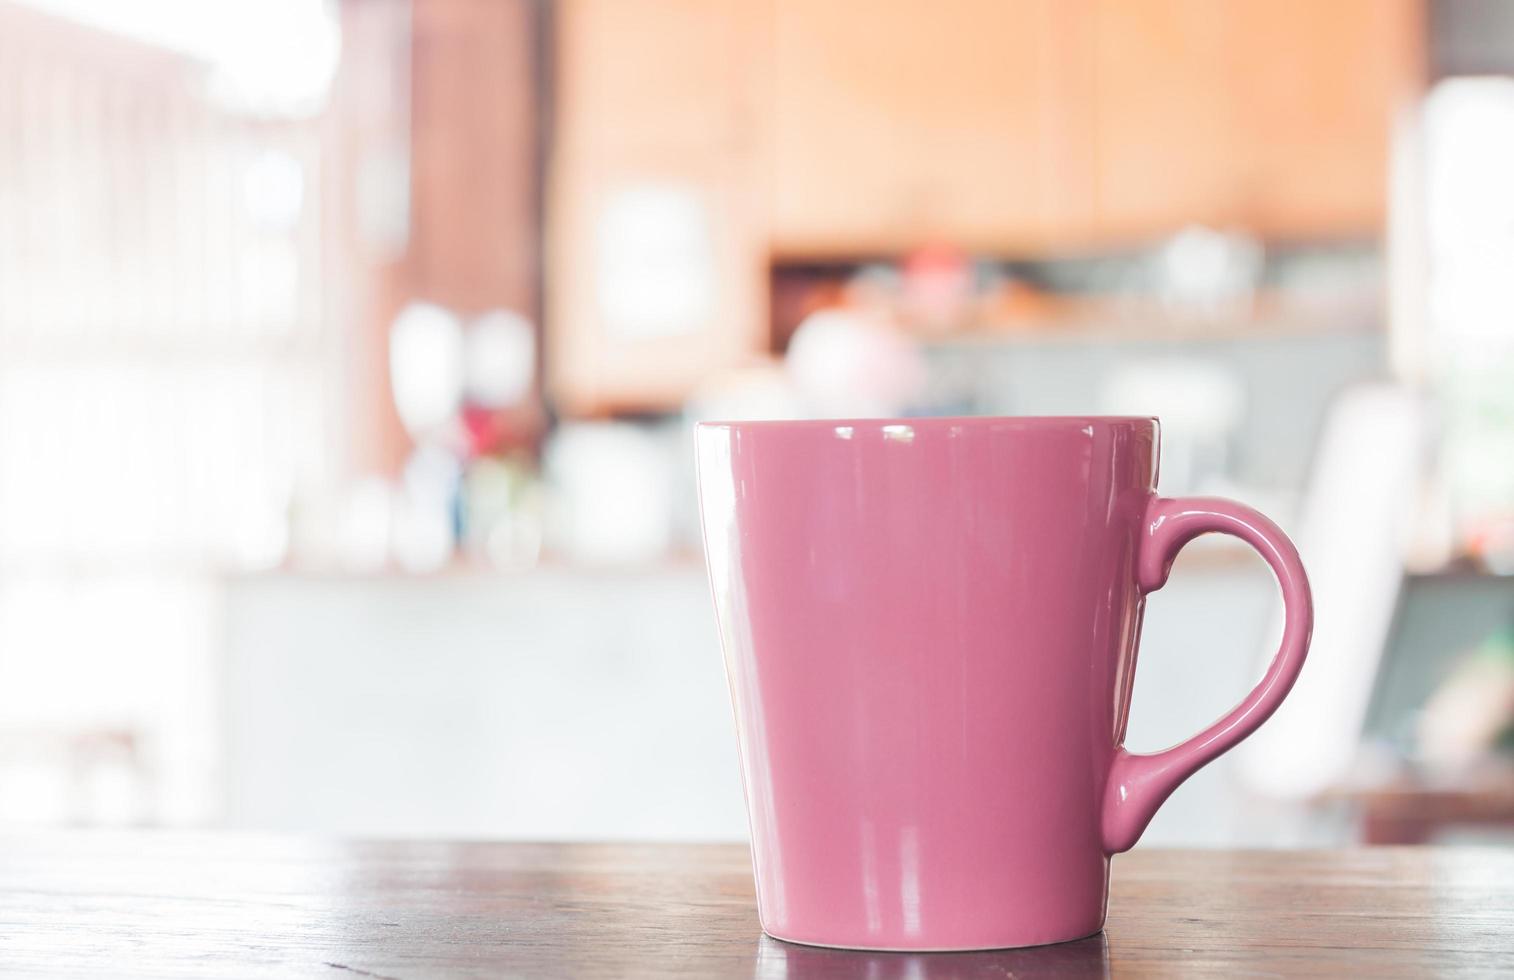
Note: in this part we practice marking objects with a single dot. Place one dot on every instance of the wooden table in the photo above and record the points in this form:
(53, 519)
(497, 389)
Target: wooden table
(95, 905)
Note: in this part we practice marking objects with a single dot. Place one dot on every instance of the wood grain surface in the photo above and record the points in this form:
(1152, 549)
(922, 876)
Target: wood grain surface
(221, 905)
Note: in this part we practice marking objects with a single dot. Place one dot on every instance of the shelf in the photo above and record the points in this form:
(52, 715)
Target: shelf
(1108, 321)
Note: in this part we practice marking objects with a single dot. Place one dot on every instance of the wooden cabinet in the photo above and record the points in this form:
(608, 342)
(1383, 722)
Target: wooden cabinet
(1020, 128)
(895, 123)
(643, 73)
(1316, 88)
(1026, 126)
(656, 234)
(1163, 139)
(1271, 116)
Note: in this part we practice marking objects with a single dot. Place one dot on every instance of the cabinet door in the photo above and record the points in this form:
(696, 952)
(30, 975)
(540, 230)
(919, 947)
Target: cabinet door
(1165, 141)
(895, 123)
(1267, 115)
(654, 204)
(1317, 86)
(657, 280)
(644, 73)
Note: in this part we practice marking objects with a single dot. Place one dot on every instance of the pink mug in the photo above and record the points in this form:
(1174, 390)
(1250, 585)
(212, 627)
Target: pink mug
(930, 631)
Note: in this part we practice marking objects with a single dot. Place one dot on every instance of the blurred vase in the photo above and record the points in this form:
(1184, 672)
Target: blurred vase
(426, 367)
(853, 364)
(499, 363)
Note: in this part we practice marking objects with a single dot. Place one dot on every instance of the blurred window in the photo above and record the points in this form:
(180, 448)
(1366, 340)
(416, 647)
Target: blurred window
(166, 353)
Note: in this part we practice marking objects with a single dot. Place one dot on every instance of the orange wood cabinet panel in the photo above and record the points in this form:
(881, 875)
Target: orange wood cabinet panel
(652, 72)
(596, 367)
(661, 96)
(895, 123)
(1164, 139)
(1317, 86)
(1271, 116)
(1031, 125)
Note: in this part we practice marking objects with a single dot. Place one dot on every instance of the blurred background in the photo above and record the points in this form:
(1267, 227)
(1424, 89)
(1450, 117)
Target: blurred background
(349, 352)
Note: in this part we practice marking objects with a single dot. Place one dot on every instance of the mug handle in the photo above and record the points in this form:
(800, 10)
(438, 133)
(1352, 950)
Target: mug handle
(1138, 784)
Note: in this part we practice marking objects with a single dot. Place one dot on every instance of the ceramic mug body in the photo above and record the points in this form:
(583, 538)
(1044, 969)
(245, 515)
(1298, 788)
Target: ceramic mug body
(930, 631)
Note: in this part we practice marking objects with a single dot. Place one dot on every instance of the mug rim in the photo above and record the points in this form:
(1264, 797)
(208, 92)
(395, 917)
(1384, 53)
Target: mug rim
(930, 421)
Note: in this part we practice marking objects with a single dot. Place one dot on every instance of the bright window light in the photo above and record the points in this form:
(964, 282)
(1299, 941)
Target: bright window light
(272, 57)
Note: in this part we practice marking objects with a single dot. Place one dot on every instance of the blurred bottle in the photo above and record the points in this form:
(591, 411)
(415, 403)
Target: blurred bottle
(503, 511)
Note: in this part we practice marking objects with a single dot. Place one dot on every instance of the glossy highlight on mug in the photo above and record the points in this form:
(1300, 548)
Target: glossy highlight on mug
(930, 629)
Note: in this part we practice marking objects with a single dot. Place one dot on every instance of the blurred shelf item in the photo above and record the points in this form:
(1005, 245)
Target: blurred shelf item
(1443, 616)
(1196, 284)
(1415, 810)
(1461, 570)
(612, 493)
(1099, 320)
